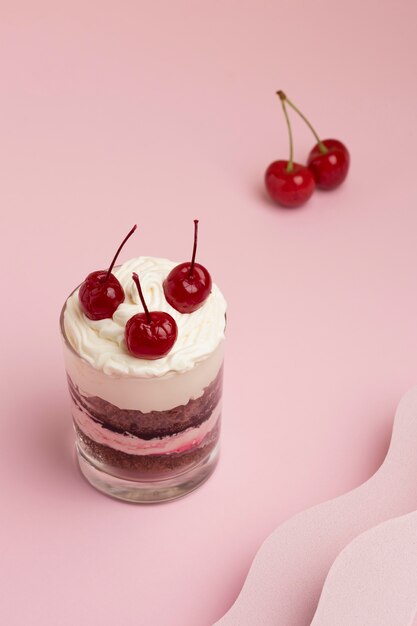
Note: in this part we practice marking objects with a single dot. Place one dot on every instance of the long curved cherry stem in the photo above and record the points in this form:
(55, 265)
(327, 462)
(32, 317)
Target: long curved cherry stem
(191, 272)
(142, 299)
(130, 233)
(290, 165)
(283, 97)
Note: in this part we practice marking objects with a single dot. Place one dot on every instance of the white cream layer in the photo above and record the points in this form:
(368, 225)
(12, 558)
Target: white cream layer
(101, 343)
(144, 394)
(131, 444)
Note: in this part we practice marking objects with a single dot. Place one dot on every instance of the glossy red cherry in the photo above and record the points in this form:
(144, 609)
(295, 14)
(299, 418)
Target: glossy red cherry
(329, 165)
(291, 188)
(101, 293)
(150, 335)
(100, 296)
(288, 183)
(188, 285)
(329, 159)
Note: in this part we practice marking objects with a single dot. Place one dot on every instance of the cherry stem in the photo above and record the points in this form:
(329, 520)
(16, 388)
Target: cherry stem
(142, 299)
(290, 165)
(191, 272)
(284, 98)
(130, 233)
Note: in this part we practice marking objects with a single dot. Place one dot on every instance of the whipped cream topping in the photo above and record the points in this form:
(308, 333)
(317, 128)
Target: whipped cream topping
(101, 342)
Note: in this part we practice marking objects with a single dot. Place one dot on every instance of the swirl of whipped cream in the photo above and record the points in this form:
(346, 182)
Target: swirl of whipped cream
(102, 344)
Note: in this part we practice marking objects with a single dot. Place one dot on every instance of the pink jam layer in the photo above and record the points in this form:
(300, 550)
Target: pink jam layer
(130, 444)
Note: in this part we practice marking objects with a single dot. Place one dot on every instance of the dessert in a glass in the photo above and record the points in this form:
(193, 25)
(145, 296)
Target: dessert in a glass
(143, 347)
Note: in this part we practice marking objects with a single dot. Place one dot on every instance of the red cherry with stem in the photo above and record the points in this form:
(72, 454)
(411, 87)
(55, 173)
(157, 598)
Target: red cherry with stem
(288, 183)
(329, 159)
(101, 293)
(329, 167)
(150, 335)
(188, 285)
(291, 188)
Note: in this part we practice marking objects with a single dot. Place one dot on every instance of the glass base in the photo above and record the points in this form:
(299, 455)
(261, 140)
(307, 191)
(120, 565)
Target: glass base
(148, 491)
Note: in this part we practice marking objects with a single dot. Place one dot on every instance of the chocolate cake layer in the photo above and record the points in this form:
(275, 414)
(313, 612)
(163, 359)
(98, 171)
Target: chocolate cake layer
(155, 423)
(134, 466)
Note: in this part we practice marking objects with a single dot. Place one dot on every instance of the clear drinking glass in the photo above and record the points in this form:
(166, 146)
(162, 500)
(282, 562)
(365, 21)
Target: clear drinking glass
(145, 439)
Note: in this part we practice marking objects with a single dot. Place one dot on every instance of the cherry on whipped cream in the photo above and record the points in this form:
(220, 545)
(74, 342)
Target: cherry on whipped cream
(188, 285)
(150, 335)
(101, 293)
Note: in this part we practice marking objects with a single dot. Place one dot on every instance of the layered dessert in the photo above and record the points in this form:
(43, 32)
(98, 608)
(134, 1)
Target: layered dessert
(138, 416)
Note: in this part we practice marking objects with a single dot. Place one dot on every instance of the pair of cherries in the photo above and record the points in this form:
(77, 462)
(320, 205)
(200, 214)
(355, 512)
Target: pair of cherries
(151, 334)
(292, 184)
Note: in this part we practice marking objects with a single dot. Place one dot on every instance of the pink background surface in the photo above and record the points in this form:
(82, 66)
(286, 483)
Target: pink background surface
(159, 112)
(361, 589)
(286, 578)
